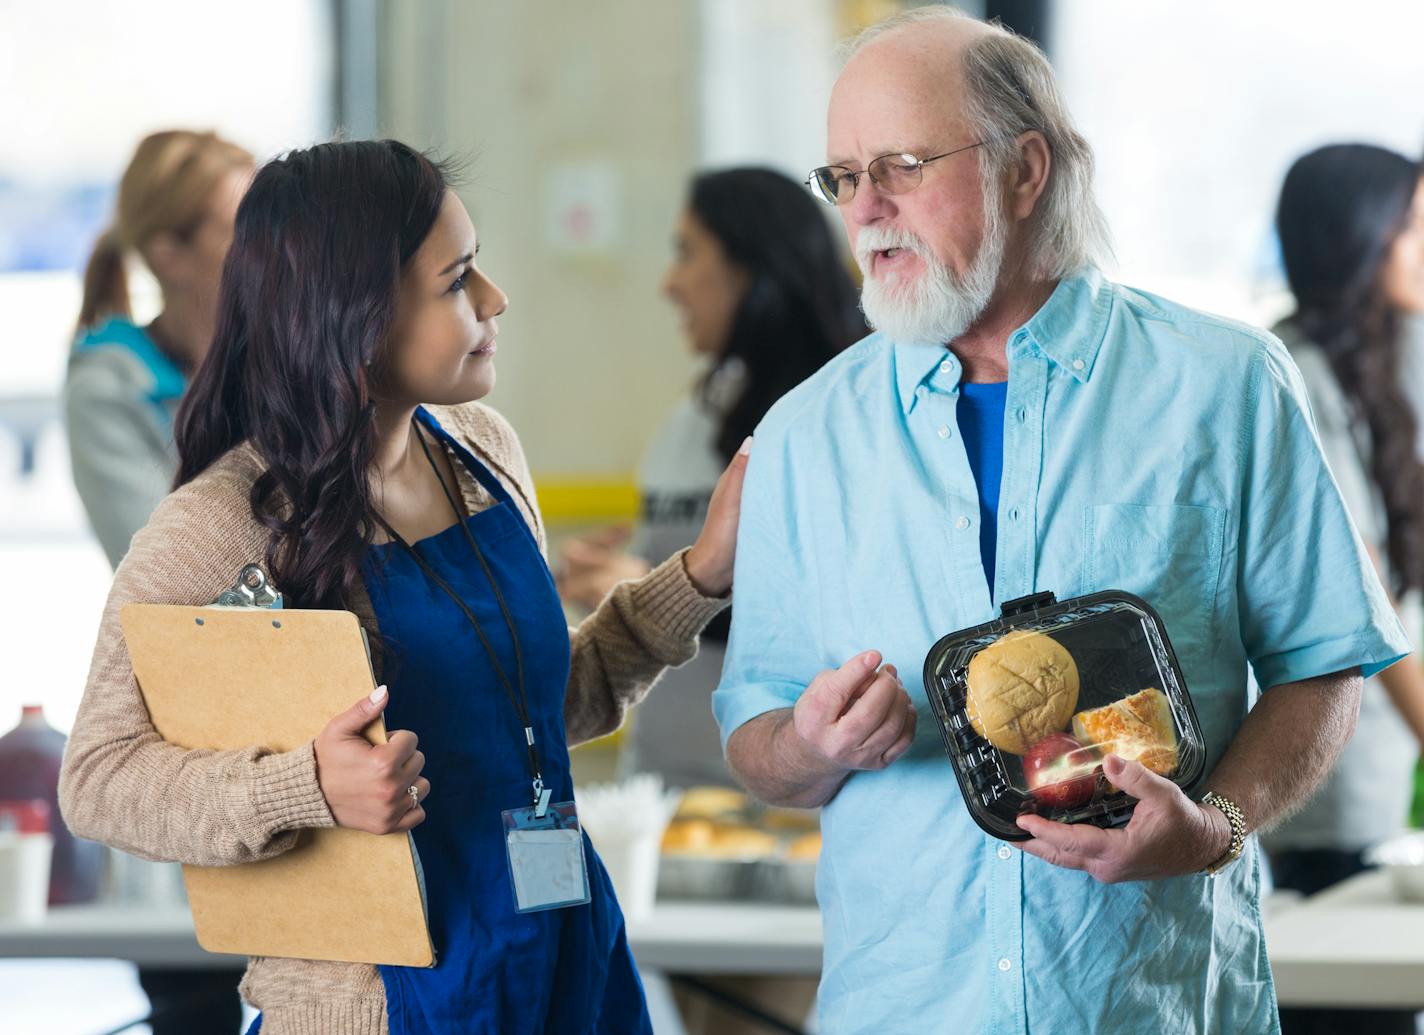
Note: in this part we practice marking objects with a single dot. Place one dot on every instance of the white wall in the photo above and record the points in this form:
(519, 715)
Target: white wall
(584, 112)
(80, 83)
(1197, 110)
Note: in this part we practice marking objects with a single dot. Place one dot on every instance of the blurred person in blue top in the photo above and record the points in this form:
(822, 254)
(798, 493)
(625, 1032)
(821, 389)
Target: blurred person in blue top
(1351, 226)
(175, 209)
(764, 294)
(1020, 424)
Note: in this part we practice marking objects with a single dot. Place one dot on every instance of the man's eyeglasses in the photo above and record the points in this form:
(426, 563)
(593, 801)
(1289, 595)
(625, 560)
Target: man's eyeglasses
(893, 174)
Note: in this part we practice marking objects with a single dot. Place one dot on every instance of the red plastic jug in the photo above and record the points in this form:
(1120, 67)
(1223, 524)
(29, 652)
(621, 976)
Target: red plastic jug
(30, 757)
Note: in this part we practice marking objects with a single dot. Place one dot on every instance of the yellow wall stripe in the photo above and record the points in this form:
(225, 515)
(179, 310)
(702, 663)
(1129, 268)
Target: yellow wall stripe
(586, 500)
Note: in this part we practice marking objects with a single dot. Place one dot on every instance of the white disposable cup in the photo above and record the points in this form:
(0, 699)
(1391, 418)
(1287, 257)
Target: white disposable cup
(632, 865)
(24, 876)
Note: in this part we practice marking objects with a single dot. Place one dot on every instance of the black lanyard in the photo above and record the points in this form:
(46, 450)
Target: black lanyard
(521, 700)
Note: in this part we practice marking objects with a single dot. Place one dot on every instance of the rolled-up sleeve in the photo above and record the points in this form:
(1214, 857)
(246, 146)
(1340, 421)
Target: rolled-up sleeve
(771, 651)
(1310, 601)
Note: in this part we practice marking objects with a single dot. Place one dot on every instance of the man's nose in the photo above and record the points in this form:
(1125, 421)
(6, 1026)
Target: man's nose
(869, 203)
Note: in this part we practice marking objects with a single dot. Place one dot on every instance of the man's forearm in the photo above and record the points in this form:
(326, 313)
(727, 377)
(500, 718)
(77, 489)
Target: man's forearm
(768, 757)
(1287, 745)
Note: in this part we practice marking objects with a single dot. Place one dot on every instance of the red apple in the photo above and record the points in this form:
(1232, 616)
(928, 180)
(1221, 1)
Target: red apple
(1061, 773)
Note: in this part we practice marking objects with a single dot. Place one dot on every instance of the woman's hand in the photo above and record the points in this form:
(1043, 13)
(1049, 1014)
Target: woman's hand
(709, 561)
(367, 786)
(592, 565)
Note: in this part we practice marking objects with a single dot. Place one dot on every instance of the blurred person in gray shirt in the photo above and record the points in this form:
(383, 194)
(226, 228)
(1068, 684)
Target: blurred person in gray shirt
(1351, 227)
(175, 211)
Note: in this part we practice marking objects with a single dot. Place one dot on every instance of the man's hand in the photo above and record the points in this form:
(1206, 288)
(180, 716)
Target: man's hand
(856, 716)
(1168, 835)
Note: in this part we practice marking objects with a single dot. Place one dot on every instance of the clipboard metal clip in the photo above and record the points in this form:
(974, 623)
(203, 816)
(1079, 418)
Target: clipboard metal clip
(250, 590)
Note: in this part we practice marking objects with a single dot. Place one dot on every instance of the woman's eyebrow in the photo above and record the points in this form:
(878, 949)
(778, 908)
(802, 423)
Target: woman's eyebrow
(457, 263)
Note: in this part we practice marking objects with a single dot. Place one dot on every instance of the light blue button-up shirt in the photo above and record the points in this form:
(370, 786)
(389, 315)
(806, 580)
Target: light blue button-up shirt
(1147, 448)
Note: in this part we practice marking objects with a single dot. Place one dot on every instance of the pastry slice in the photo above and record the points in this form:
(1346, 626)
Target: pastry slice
(1139, 727)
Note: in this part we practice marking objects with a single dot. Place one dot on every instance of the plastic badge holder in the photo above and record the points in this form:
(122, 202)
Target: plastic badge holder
(1130, 694)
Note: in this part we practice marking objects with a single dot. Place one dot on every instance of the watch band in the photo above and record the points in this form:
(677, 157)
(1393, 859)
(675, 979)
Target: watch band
(1237, 819)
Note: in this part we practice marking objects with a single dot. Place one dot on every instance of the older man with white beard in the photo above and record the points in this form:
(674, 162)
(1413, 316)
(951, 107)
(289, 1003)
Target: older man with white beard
(1019, 424)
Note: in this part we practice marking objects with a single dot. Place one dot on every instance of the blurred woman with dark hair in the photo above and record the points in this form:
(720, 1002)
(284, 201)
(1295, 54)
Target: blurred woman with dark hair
(333, 433)
(1351, 226)
(766, 296)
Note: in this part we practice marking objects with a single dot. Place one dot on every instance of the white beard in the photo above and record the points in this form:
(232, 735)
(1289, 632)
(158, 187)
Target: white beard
(938, 305)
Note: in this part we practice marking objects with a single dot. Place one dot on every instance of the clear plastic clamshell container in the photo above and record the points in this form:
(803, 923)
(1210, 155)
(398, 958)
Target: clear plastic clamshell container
(1030, 704)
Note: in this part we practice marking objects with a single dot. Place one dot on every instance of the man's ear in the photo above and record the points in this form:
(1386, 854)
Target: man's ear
(1029, 178)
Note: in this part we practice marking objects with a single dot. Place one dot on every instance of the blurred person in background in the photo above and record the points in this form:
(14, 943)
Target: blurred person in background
(175, 210)
(334, 433)
(1351, 226)
(766, 296)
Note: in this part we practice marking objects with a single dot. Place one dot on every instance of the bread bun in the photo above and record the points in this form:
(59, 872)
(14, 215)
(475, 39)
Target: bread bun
(710, 802)
(688, 835)
(805, 849)
(1022, 687)
(741, 843)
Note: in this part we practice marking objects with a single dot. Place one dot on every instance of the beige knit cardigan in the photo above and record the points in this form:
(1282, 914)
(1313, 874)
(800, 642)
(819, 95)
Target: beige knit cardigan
(122, 784)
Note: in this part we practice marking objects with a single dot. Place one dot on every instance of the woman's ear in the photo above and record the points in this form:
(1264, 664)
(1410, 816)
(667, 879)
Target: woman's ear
(167, 257)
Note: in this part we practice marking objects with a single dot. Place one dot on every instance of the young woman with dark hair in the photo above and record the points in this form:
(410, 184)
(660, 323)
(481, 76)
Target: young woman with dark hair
(1351, 226)
(333, 434)
(766, 296)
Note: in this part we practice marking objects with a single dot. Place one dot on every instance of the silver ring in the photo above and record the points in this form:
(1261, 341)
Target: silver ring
(414, 796)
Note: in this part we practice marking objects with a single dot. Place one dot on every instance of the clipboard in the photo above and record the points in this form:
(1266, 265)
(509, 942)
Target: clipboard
(243, 672)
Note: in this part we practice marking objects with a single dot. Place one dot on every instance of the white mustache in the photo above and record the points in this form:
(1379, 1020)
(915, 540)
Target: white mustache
(879, 238)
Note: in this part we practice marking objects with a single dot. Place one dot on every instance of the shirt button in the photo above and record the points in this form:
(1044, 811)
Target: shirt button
(1014, 514)
(947, 367)
(1023, 414)
(962, 524)
(1004, 965)
(944, 431)
(922, 391)
(1005, 851)
(1078, 364)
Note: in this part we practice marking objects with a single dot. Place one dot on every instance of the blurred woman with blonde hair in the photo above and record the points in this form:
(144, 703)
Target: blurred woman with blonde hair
(175, 211)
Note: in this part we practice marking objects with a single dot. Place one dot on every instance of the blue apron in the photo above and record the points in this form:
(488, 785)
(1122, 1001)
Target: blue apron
(558, 972)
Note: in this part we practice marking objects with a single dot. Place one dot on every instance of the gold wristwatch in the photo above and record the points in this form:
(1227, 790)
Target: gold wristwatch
(1237, 819)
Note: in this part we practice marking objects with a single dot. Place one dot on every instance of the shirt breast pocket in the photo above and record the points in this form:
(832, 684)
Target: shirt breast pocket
(1169, 555)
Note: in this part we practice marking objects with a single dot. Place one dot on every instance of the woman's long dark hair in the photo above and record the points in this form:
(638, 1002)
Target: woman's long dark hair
(305, 311)
(1341, 208)
(801, 305)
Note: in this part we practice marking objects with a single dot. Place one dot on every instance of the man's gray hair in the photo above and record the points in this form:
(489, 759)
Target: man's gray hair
(1010, 89)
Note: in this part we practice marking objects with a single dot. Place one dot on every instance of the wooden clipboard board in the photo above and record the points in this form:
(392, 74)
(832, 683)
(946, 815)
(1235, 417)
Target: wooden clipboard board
(227, 678)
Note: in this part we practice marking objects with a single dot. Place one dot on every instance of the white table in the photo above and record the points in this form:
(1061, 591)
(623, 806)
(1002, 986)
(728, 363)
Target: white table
(1351, 946)
(677, 937)
(706, 938)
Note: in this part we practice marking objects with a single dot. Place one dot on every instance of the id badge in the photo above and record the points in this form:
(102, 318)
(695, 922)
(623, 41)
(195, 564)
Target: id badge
(546, 862)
